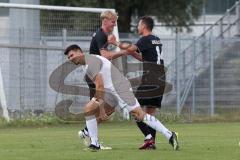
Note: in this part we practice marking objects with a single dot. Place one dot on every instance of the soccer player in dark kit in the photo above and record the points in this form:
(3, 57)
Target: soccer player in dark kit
(149, 46)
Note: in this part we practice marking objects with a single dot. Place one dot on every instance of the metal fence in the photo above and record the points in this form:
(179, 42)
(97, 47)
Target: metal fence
(205, 76)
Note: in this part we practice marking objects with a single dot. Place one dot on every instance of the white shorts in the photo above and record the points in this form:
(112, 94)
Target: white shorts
(123, 98)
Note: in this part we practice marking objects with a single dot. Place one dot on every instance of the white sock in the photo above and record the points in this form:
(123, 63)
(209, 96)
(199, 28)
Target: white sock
(149, 136)
(86, 132)
(157, 125)
(91, 124)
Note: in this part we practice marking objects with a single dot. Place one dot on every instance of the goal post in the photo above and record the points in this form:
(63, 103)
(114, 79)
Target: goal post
(3, 101)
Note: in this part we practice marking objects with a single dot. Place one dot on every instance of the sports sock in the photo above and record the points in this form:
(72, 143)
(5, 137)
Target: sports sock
(149, 136)
(85, 130)
(143, 127)
(152, 131)
(91, 124)
(157, 125)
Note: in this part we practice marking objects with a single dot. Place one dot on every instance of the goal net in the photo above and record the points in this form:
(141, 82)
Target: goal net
(32, 39)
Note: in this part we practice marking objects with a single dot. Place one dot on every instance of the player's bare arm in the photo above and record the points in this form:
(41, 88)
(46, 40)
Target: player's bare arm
(99, 95)
(110, 55)
(129, 48)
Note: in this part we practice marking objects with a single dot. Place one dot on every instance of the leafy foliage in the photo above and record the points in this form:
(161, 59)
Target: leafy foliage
(170, 12)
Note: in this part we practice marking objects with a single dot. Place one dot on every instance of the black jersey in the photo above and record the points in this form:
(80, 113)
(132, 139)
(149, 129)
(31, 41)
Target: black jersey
(151, 48)
(99, 41)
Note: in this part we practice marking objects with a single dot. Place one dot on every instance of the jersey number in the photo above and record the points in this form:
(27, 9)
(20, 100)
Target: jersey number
(159, 55)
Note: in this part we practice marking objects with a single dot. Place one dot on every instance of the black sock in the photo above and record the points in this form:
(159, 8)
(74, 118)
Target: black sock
(153, 132)
(143, 127)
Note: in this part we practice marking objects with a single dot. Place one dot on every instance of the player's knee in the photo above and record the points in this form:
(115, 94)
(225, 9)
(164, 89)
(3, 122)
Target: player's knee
(138, 114)
(88, 111)
(150, 110)
(90, 108)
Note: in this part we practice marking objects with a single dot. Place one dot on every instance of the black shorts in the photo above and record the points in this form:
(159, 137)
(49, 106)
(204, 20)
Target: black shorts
(146, 85)
(153, 102)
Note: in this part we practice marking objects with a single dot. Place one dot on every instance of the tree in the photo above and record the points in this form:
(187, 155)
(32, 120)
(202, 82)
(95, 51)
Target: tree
(180, 13)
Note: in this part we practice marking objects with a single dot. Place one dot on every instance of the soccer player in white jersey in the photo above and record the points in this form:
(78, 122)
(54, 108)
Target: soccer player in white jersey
(111, 87)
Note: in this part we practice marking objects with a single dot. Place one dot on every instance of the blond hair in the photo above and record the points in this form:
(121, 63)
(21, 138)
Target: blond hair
(108, 14)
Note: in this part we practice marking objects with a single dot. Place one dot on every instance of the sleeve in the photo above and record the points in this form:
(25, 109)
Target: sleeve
(142, 44)
(101, 40)
(94, 67)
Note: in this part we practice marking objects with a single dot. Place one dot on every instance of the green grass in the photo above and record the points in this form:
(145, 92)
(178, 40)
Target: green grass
(202, 141)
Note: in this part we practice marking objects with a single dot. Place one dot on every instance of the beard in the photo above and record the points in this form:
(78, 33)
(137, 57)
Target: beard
(76, 60)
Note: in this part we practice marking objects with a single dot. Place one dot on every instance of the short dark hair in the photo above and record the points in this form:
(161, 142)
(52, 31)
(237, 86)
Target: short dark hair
(72, 47)
(148, 21)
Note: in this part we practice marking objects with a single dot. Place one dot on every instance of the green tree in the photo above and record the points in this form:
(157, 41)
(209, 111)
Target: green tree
(180, 13)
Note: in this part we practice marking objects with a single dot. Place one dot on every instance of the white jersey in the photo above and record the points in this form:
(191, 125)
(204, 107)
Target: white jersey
(105, 71)
(118, 90)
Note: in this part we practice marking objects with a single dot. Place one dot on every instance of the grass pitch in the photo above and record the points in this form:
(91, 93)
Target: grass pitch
(198, 141)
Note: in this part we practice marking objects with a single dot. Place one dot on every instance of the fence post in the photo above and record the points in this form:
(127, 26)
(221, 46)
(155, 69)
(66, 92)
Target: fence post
(21, 71)
(184, 67)
(177, 69)
(64, 38)
(221, 28)
(194, 76)
(228, 22)
(211, 51)
(238, 18)
(64, 45)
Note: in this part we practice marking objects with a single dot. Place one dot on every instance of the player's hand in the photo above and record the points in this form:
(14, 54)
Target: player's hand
(112, 39)
(103, 116)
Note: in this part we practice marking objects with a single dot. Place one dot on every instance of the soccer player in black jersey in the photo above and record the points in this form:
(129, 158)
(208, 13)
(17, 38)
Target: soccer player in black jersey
(99, 46)
(149, 46)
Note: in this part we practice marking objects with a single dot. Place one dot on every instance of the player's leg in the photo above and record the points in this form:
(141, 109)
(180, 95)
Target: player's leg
(151, 110)
(151, 106)
(153, 122)
(126, 99)
(84, 135)
(149, 133)
(90, 111)
(151, 103)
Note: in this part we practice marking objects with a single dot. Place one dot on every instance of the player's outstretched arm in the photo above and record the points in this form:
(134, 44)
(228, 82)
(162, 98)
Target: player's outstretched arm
(112, 55)
(136, 55)
(130, 48)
